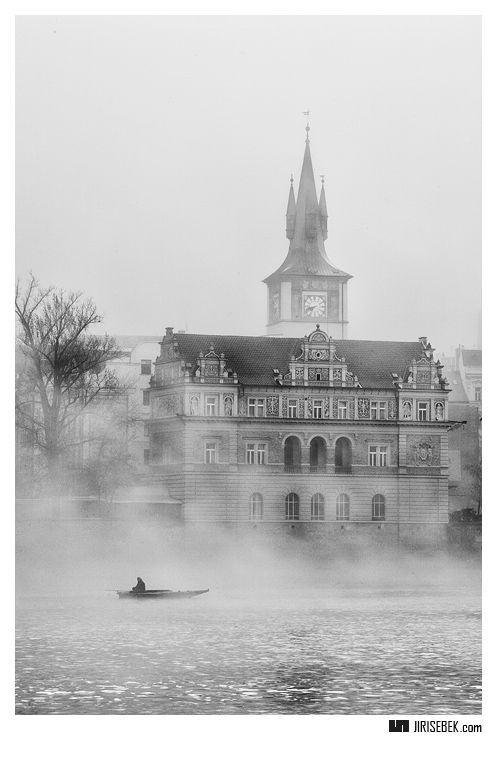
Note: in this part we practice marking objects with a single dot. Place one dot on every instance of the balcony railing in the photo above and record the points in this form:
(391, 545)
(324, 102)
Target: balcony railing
(343, 469)
(293, 468)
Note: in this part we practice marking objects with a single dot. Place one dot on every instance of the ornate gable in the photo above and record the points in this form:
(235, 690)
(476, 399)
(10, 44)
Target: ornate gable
(319, 364)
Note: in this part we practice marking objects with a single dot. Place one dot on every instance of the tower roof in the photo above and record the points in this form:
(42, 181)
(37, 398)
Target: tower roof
(306, 254)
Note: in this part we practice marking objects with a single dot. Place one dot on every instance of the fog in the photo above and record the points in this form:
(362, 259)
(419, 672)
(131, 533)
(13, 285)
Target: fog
(90, 556)
(153, 152)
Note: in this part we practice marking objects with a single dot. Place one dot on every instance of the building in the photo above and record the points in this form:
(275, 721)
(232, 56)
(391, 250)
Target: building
(469, 365)
(281, 429)
(307, 288)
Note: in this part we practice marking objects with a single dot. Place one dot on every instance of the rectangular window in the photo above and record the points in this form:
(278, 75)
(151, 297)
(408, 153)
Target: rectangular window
(317, 410)
(256, 407)
(378, 456)
(210, 453)
(292, 407)
(146, 366)
(250, 453)
(422, 411)
(211, 406)
(342, 410)
(378, 410)
(256, 453)
(477, 394)
(261, 453)
(146, 398)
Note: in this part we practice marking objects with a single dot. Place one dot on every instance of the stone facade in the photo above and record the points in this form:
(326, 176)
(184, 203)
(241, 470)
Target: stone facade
(315, 430)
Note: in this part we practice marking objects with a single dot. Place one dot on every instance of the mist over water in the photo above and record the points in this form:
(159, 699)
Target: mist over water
(289, 625)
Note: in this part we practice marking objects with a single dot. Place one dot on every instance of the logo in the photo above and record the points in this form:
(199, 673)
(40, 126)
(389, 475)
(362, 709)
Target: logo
(398, 725)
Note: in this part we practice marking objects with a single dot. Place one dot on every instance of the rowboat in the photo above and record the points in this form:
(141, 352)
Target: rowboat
(160, 593)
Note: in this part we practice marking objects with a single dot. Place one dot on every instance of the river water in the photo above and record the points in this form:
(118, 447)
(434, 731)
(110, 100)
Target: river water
(336, 640)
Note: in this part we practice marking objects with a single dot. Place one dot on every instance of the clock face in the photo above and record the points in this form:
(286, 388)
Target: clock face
(314, 306)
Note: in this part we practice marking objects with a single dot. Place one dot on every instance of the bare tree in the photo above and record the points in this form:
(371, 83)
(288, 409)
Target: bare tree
(61, 367)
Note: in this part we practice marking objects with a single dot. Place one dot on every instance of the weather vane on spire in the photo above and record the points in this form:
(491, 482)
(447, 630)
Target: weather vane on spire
(307, 113)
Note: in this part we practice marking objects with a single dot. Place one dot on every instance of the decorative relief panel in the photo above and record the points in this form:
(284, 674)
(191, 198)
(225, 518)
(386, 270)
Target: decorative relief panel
(242, 406)
(334, 411)
(228, 405)
(326, 407)
(272, 406)
(423, 376)
(392, 409)
(166, 406)
(337, 375)
(211, 370)
(309, 407)
(407, 409)
(301, 407)
(351, 409)
(423, 451)
(323, 372)
(284, 406)
(319, 354)
(299, 373)
(363, 407)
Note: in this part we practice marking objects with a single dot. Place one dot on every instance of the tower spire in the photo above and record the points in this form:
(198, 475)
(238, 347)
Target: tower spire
(290, 212)
(323, 211)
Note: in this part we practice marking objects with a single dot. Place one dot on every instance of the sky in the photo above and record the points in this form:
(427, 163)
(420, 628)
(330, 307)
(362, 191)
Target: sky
(153, 157)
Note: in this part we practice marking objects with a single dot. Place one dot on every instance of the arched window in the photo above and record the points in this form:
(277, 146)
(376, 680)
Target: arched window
(343, 455)
(292, 454)
(317, 506)
(318, 454)
(255, 507)
(292, 506)
(378, 507)
(343, 507)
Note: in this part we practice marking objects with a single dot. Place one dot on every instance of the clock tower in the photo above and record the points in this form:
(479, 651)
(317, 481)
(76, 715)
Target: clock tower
(307, 288)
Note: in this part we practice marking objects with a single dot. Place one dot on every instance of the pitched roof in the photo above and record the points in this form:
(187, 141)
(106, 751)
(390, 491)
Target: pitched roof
(471, 357)
(458, 394)
(254, 358)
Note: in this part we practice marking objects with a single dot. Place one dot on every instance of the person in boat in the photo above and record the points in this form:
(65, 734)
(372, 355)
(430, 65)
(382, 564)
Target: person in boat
(140, 586)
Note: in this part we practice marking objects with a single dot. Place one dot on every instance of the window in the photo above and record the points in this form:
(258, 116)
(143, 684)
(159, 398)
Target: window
(317, 506)
(422, 411)
(317, 410)
(342, 410)
(292, 407)
(477, 394)
(378, 456)
(378, 410)
(378, 507)
(211, 406)
(255, 507)
(256, 453)
(146, 366)
(146, 456)
(292, 506)
(343, 507)
(210, 453)
(146, 398)
(256, 407)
